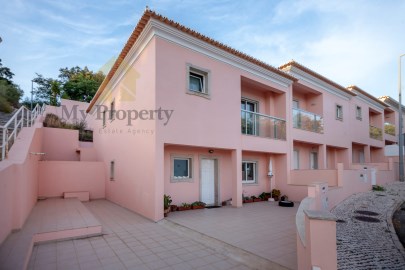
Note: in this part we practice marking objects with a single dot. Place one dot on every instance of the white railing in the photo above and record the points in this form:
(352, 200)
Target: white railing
(22, 117)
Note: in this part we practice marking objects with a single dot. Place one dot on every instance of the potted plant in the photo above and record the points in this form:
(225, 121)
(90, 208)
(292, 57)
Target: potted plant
(255, 199)
(173, 208)
(247, 200)
(276, 194)
(167, 200)
(197, 205)
(264, 196)
(184, 207)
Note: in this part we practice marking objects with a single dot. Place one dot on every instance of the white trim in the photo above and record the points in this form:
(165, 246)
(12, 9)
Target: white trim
(255, 173)
(336, 112)
(361, 112)
(190, 162)
(159, 29)
(302, 75)
(369, 101)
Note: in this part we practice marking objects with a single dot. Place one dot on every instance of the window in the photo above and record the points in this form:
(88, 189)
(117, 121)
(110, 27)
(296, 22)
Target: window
(296, 161)
(313, 160)
(296, 104)
(104, 119)
(198, 81)
(181, 169)
(112, 111)
(249, 173)
(112, 170)
(339, 112)
(358, 112)
(248, 116)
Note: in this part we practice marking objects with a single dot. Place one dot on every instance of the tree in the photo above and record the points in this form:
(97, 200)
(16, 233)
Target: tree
(10, 93)
(43, 91)
(80, 84)
(5, 73)
(73, 83)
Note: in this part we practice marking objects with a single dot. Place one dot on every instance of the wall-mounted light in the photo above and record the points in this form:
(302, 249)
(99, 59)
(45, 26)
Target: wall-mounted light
(210, 151)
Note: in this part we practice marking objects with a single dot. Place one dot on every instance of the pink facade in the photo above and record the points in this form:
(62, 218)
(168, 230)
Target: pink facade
(183, 115)
(222, 140)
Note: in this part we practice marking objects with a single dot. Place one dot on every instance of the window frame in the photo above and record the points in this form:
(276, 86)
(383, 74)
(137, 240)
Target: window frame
(205, 74)
(175, 179)
(359, 109)
(297, 102)
(338, 108)
(104, 118)
(255, 180)
(298, 159)
(112, 110)
(112, 170)
(316, 165)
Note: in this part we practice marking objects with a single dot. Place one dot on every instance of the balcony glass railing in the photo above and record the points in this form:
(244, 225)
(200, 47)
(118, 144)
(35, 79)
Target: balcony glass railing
(307, 121)
(263, 125)
(389, 129)
(376, 133)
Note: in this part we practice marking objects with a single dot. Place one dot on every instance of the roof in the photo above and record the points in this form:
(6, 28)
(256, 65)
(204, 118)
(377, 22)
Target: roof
(148, 15)
(293, 63)
(361, 91)
(391, 101)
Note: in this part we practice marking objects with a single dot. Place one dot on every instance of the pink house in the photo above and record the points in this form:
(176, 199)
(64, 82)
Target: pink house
(184, 115)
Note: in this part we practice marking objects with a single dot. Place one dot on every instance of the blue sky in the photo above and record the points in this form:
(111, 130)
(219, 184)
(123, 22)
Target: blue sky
(350, 42)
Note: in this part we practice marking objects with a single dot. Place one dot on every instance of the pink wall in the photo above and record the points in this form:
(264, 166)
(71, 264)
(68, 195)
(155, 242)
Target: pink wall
(188, 192)
(132, 148)
(67, 112)
(60, 144)
(57, 177)
(19, 181)
(307, 177)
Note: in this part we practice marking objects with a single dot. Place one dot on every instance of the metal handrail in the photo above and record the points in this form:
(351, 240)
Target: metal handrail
(264, 115)
(304, 111)
(24, 114)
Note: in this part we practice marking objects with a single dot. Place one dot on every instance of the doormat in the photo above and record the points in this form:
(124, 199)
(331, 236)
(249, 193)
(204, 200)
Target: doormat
(212, 206)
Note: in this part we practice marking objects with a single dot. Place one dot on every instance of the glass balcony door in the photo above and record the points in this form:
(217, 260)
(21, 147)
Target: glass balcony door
(249, 123)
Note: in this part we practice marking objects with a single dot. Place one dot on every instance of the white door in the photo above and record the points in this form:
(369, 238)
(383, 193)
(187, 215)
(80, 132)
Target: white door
(208, 194)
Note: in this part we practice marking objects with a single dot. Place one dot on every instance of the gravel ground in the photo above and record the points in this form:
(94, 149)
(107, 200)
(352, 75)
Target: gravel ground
(370, 245)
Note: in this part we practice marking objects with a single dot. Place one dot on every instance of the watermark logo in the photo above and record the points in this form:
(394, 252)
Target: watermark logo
(103, 113)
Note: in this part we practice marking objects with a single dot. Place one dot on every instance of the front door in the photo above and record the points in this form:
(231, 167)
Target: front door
(208, 181)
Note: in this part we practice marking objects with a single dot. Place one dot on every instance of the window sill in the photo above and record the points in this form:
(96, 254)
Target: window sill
(194, 93)
(181, 180)
(250, 184)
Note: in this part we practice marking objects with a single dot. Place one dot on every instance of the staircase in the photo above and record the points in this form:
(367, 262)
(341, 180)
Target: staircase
(12, 123)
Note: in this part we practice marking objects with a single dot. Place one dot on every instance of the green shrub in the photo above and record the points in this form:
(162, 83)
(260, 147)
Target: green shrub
(5, 105)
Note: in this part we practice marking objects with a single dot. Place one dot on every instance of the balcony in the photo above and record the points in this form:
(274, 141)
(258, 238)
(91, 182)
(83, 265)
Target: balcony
(262, 125)
(307, 121)
(389, 129)
(375, 133)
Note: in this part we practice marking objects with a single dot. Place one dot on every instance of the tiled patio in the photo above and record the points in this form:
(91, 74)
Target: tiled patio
(49, 220)
(262, 228)
(130, 242)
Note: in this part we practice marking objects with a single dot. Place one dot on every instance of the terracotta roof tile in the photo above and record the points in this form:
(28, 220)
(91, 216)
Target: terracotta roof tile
(316, 75)
(358, 89)
(149, 14)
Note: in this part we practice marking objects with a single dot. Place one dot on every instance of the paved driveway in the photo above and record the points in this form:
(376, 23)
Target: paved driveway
(262, 228)
(130, 242)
